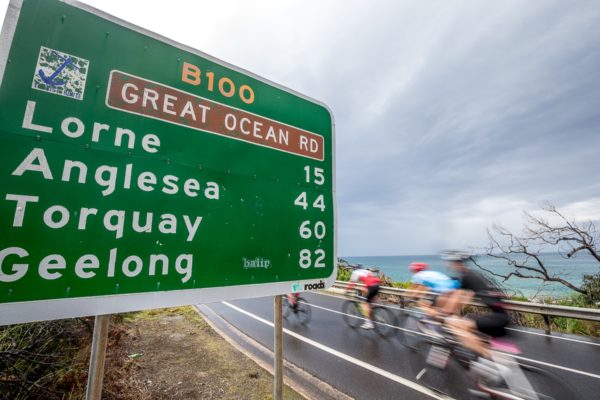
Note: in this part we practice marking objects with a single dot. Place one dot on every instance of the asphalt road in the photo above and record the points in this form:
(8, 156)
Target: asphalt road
(366, 366)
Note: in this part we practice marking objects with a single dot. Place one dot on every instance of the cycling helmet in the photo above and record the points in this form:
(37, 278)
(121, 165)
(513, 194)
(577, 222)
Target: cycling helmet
(358, 273)
(455, 255)
(417, 267)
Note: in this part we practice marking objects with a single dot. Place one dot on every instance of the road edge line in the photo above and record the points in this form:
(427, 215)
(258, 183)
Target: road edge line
(379, 371)
(324, 387)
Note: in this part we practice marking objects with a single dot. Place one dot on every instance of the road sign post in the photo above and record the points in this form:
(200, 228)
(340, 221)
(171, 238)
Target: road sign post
(139, 173)
(278, 349)
(97, 358)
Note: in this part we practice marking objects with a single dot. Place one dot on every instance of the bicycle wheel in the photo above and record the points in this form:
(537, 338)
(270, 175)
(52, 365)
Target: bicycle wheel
(432, 376)
(383, 320)
(286, 307)
(547, 386)
(434, 367)
(409, 333)
(352, 314)
(303, 312)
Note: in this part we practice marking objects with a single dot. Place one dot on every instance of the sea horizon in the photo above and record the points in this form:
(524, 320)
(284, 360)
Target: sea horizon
(573, 269)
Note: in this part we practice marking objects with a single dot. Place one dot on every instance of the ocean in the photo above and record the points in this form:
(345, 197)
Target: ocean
(572, 270)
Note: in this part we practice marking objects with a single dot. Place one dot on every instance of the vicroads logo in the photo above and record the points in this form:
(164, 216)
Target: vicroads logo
(60, 73)
(311, 286)
(297, 287)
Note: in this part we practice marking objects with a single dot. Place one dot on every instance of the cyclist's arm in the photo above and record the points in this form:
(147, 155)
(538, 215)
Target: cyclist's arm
(415, 289)
(457, 299)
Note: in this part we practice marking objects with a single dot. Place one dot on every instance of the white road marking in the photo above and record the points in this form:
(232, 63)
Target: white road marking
(576, 371)
(592, 375)
(346, 357)
(554, 337)
(354, 316)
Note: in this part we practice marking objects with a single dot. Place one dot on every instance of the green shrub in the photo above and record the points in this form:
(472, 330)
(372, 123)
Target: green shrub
(401, 285)
(43, 359)
(343, 273)
(591, 284)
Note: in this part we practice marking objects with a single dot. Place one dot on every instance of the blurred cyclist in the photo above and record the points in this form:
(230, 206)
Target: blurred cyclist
(293, 300)
(369, 290)
(474, 285)
(439, 283)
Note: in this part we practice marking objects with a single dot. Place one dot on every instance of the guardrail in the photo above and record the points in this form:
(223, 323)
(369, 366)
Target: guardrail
(545, 310)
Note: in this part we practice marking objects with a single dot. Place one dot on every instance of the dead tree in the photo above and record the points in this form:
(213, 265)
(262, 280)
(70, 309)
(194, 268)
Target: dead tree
(556, 233)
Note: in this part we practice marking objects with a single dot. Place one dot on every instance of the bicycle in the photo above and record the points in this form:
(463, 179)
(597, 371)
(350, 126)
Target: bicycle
(412, 332)
(302, 311)
(441, 363)
(383, 319)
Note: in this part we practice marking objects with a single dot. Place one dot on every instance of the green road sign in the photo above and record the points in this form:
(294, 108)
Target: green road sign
(137, 173)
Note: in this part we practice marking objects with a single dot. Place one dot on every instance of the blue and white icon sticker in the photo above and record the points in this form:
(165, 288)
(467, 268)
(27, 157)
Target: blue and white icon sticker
(60, 73)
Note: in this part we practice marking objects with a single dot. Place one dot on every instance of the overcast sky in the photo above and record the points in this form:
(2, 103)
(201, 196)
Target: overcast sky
(450, 115)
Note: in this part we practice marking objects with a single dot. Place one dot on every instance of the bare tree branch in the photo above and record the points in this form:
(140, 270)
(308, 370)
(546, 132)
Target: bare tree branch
(523, 252)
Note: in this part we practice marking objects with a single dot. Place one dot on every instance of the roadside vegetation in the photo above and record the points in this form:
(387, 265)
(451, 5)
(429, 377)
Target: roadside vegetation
(44, 360)
(158, 354)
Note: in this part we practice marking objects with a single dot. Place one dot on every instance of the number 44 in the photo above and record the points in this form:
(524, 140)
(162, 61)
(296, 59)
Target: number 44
(303, 202)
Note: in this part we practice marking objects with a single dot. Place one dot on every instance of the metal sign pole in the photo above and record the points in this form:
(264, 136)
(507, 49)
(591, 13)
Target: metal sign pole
(96, 371)
(278, 350)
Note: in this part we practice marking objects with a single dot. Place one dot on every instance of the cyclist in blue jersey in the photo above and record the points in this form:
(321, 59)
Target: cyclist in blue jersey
(431, 281)
(435, 281)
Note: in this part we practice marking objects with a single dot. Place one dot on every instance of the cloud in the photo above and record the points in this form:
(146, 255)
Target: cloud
(450, 115)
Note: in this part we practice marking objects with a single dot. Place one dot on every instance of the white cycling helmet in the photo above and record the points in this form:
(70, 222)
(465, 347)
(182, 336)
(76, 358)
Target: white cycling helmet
(455, 255)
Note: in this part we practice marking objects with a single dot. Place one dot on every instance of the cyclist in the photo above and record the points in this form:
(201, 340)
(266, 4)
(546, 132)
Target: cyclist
(369, 290)
(293, 299)
(439, 283)
(474, 285)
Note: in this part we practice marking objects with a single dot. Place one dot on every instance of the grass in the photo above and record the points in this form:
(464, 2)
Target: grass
(178, 356)
(167, 353)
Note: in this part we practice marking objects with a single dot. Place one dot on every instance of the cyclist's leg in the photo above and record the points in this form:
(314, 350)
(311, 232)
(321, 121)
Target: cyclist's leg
(455, 299)
(464, 330)
(371, 293)
(441, 300)
(365, 306)
(436, 306)
(492, 324)
(429, 305)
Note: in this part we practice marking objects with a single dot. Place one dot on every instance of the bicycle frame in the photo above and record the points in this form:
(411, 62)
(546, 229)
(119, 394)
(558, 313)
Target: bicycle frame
(446, 346)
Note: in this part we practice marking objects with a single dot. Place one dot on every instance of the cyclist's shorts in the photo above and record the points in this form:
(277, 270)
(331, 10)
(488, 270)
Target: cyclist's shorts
(492, 324)
(373, 290)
